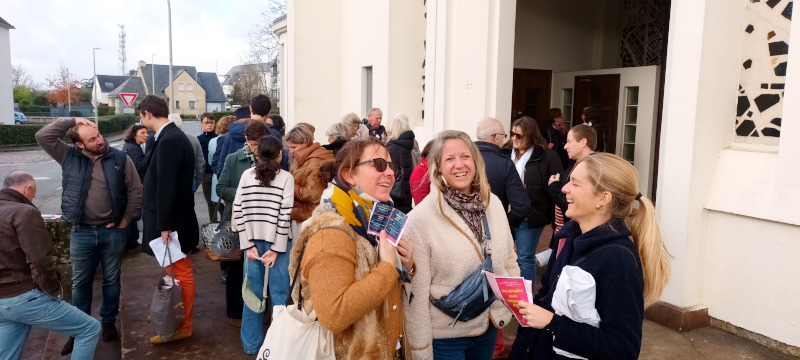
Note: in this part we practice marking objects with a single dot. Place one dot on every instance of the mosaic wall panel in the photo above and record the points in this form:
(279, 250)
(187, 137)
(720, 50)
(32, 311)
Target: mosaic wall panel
(643, 25)
(762, 77)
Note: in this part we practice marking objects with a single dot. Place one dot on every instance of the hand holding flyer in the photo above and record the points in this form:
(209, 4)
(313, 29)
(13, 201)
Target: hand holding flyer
(511, 290)
(386, 217)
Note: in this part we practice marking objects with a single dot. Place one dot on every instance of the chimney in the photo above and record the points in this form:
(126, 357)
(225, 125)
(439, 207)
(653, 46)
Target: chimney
(142, 63)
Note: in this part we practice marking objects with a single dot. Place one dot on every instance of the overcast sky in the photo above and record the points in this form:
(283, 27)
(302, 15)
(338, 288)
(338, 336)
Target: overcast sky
(208, 34)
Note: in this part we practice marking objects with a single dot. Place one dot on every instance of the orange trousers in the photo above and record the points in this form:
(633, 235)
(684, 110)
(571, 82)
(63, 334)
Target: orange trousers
(183, 272)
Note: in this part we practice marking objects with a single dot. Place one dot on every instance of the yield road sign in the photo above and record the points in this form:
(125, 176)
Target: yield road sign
(128, 98)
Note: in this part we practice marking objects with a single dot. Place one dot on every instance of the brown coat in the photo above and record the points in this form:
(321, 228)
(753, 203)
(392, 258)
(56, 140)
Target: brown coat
(308, 185)
(27, 258)
(356, 297)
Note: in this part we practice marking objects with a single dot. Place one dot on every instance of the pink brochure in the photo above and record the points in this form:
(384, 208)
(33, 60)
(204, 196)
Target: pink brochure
(511, 290)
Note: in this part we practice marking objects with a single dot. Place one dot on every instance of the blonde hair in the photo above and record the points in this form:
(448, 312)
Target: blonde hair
(299, 135)
(615, 175)
(479, 181)
(397, 126)
(307, 126)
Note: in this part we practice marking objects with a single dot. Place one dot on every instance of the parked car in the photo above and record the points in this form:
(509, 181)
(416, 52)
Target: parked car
(20, 118)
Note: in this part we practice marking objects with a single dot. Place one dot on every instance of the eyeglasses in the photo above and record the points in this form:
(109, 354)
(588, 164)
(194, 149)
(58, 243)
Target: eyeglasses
(517, 136)
(498, 134)
(381, 164)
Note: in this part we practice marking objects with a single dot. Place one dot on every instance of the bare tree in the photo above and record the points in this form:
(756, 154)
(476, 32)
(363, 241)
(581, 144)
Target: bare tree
(263, 43)
(21, 77)
(249, 81)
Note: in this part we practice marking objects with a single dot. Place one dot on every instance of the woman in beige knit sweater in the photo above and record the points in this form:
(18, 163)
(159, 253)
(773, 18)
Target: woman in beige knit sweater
(447, 232)
(350, 278)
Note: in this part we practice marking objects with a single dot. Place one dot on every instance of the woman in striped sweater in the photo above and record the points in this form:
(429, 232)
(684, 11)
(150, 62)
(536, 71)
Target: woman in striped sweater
(261, 210)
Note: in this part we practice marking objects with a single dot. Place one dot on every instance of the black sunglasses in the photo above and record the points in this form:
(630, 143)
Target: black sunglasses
(515, 135)
(381, 164)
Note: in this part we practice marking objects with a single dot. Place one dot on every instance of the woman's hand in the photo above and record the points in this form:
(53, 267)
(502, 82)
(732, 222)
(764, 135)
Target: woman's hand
(535, 315)
(269, 258)
(386, 250)
(554, 178)
(406, 253)
(252, 254)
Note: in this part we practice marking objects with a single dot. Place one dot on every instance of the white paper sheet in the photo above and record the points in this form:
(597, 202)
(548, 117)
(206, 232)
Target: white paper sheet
(159, 249)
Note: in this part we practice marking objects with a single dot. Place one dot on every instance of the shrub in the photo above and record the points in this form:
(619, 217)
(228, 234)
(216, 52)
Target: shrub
(34, 109)
(188, 117)
(105, 110)
(116, 123)
(75, 113)
(219, 115)
(18, 134)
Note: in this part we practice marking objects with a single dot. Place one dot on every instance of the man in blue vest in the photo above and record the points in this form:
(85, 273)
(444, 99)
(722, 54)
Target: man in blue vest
(101, 196)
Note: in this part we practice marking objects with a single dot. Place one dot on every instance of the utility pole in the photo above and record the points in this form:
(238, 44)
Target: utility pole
(153, 72)
(94, 86)
(171, 88)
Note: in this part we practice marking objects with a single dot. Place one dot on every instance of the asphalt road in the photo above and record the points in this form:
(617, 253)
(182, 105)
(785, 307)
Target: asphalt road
(47, 172)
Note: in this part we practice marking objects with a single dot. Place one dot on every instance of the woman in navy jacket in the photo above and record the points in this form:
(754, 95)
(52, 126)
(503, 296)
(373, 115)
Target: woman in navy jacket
(616, 244)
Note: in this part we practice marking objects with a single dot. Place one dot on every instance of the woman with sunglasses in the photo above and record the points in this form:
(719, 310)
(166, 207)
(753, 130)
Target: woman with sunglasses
(350, 278)
(613, 242)
(454, 231)
(308, 156)
(535, 164)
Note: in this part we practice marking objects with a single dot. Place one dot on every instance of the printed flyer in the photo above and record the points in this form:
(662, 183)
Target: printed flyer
(511, 290)
(385, 217)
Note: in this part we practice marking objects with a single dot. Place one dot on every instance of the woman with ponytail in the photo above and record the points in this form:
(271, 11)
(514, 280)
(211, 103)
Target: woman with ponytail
(261, 210)
(613, 241)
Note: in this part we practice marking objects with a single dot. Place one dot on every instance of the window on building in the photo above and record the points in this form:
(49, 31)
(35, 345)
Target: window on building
(762, 75)
(177, 104)
(190, 87)
(566, 107)
(191, 104)
(181, 87)
(366, 89)
(109, 84)
(631, 113)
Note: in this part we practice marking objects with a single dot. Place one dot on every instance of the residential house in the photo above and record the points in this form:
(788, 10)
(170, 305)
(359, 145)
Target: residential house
(104, 85)
(257, 78)
(692, 92)
(6, 89)
(195, 92)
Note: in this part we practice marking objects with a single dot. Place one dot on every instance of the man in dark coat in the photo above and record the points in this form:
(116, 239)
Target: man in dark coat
(168, 201)
(500, 171)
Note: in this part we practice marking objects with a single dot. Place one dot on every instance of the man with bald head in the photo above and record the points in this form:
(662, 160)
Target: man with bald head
(501, 172)
(30, 291)
(101, 196)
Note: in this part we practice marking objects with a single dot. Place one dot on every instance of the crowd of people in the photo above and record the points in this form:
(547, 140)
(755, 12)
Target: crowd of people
(301, 211)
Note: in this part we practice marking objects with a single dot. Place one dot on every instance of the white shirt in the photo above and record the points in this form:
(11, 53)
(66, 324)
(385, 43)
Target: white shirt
(155, 137)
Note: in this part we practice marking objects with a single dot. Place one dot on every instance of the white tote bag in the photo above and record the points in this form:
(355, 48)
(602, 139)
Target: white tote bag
(294, 334)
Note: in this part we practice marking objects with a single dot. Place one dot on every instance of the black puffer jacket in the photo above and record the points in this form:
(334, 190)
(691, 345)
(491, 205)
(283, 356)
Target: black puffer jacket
(538, 169)
(400, 151)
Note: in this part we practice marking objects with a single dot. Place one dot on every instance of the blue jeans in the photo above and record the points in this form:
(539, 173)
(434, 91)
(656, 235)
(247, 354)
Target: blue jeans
(90, 245)
(479, 347)
(35, 308)
(252, 332)
(527, 239)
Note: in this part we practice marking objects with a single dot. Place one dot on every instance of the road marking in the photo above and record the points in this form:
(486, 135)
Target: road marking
(40, 178)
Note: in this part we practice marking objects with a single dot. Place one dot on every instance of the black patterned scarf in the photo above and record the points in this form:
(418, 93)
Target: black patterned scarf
(469, 207)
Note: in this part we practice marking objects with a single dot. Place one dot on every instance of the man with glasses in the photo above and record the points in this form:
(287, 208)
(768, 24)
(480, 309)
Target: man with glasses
(501, 172)
(208, 123)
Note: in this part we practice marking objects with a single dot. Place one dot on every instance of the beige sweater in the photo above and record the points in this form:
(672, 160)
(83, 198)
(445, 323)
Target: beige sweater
(444, 257)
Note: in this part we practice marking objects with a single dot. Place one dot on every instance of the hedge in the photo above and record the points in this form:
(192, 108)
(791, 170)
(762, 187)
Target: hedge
(11, 135)
(221, 114)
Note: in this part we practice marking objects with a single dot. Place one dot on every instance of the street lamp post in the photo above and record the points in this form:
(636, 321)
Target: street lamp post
(94, 86)
(153, 72)
(171, 88)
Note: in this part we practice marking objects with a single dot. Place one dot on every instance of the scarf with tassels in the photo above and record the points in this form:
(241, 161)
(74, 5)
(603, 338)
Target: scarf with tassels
(355, 206)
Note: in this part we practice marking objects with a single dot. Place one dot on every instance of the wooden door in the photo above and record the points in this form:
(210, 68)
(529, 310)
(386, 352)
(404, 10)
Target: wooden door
(531, 94)
(602, 92)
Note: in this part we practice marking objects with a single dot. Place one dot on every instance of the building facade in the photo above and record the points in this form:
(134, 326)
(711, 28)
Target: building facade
(693, 92)
(6, 88)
